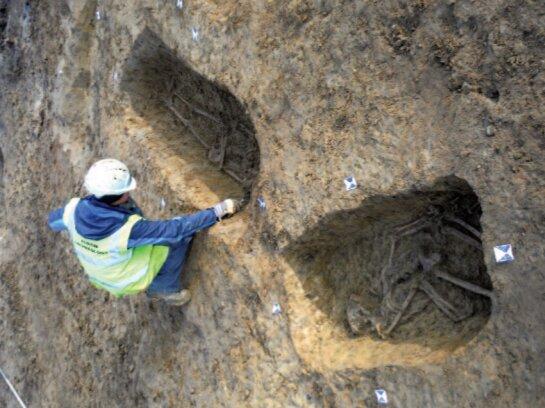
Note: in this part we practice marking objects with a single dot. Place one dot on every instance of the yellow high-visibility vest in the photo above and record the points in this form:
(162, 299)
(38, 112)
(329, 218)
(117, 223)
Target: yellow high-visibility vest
(108, 262)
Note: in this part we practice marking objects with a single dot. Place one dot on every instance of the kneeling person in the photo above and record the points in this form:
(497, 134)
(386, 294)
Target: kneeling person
(121, 251)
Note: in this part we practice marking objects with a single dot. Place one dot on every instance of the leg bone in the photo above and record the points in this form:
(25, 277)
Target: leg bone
(463, 284)
(466, 238)
(464, 224)
(417, 305)
(386, 268)
(403, 231)
(223, 146)
(404, 307)
(411, 224)
(441, 303)
(197, 110)
(232, 174)
(186, 123)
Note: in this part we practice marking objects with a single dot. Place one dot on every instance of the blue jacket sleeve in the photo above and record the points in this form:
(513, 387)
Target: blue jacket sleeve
(55, 220)
(168, 232)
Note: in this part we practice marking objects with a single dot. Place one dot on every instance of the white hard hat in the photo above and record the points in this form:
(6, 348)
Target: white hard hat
(109, 177)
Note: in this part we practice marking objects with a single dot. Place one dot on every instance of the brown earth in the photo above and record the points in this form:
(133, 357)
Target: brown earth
(425, 103)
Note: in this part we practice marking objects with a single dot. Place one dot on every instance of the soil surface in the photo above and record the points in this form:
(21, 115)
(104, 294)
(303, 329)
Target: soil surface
(435, 108)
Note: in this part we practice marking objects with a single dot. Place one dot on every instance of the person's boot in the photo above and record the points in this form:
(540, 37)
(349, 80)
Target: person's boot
(174, 299)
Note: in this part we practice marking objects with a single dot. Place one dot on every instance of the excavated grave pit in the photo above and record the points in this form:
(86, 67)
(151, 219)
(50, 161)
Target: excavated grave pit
(197, 119)
(345, 293)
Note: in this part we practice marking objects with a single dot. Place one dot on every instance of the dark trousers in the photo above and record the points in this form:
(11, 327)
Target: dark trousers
(168, 278)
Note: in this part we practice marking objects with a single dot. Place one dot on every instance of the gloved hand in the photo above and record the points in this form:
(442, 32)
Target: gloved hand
(225, 208)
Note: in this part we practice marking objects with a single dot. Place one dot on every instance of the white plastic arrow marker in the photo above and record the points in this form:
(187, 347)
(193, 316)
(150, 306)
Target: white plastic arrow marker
(503, 253)
(382, 397)
(261, 203)
(276, 309)
(195, 34)
(350, 183)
